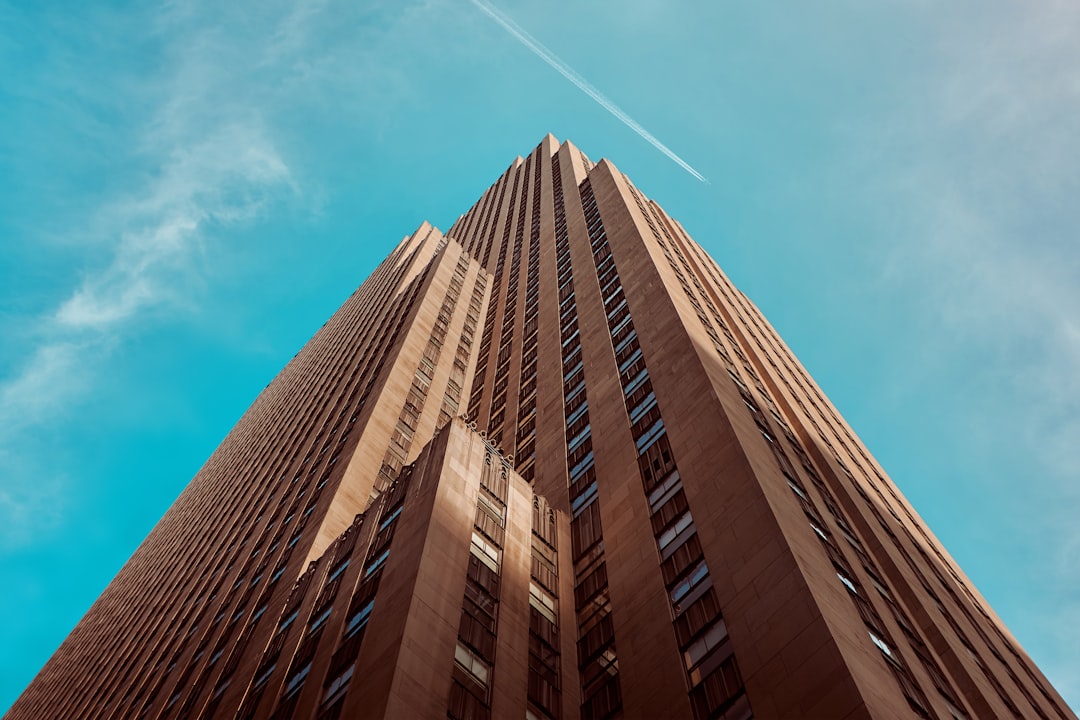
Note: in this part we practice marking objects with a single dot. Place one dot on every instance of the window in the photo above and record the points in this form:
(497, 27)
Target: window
(288, 620)
(376, 563)
(296, 681)
(336, 572)
(692, 579)
(576, 413)
(848, 583)
(492, 508)
(578, 439)
(222, 687)
(712, 637)
(882, 646)
(264, 675)
(390, 518)
(649, 436)
(590, 586)
(683, 521)
(472, 664)
(338, 685)
(585, 530)
(582, 465)
(646, 404)
(664, 491)
(359, 619)
(319, 621)
(544, 603)
(630, 385)
(583, 499)
(485, 552)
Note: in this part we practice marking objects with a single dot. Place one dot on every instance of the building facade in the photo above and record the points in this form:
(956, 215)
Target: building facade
(551, 464)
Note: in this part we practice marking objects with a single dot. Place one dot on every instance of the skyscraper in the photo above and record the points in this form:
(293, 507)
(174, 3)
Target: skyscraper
(551, 464)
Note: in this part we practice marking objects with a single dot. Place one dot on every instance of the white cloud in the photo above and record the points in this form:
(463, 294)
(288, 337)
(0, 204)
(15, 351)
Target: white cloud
(222, 87)
(224, 179)
(42, 386)
(210, 163)
(993, 178)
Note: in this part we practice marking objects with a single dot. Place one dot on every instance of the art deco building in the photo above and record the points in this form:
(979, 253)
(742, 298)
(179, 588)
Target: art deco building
(551, 464)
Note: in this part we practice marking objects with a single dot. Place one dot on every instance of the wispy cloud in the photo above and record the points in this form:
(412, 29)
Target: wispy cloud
(206, 132)
(221, 179)
(993, 178)
(581, 83)
(208, 164)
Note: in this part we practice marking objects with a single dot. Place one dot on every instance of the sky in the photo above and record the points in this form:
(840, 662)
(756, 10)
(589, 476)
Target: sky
(188, 189)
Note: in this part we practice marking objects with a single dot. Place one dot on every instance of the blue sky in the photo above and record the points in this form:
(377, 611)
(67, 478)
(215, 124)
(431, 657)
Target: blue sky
(188, 189)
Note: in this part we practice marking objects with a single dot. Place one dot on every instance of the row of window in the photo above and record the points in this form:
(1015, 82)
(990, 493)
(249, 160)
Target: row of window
(525, 437)
(598, 665)
(349, 395)
(914, 640)
(497, 414)
(891, 500)
(360, 605)
(698, 623)
(911, 691)
(474, 655)
(401, 440)
(544, 690)
(489, 213)
(480, 375)
(452, 396)
(296, 433)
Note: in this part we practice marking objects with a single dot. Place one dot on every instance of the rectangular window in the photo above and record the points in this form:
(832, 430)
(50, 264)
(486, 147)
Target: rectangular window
(542, 602)
(650, 436)
(585, 529)
(667, 538)
(485, 552)
(492, 507)
(584, 499)
(296, 681)
(694, 578)
(359, 619)
(664, 491)
(376, 563)
(338, 685)
(576, 441)
(288, 619)
(581, 466)
(390, 518)
(472, 664)
(647, 404)
(576, 413)
(320, 620)
(264, 676)
(630, 360)
(337, 571)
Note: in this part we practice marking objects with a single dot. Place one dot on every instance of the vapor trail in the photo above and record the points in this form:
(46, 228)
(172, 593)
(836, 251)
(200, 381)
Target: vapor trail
(568, 72)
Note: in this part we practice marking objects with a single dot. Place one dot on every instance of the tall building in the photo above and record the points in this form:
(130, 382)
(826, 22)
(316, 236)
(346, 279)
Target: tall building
(551, 464)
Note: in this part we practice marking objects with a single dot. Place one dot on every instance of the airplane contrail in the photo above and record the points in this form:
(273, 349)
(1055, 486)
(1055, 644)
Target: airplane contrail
(582, 84)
